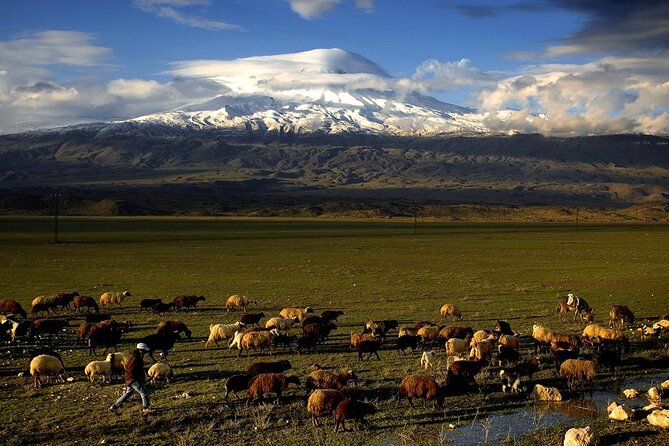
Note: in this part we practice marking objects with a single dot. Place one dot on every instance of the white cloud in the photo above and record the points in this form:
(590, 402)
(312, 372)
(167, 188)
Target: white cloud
(168, 9)
(312, 9)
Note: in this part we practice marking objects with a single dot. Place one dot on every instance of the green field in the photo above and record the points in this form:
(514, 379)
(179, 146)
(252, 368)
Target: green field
(370, 270)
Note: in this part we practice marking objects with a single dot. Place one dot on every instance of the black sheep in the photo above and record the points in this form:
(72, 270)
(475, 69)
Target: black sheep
(236, 383)
(161, 341)
(408, 341)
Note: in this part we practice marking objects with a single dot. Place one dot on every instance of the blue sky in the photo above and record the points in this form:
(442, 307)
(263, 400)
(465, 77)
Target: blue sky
(500, 40)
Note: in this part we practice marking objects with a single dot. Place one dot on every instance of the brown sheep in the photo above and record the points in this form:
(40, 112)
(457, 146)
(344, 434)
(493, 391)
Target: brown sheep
(80, 302)
(450, 310)
(352, 410)
(570, 342)
(10, 306)
(63, 300)
(184, 302)
(259, 368)
(49, 326)
(357, 338)
(371, 346)
(331, 315)
(236, 302)
(580, 370)
(455, 332)
(620, 315)
(526, 368)
(323, 379)
(266, 383)
(463, 372)
(323, 401)
(420, 386)
(83, 331)
(318, 331)
(177, 326)
(299, 313)
(428, 333)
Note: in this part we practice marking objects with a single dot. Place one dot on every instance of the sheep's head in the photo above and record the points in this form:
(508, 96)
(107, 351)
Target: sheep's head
(308, 310)
(126, 294)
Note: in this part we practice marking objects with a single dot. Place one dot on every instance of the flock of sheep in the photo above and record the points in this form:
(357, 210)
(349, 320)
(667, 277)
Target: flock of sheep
(577, 359)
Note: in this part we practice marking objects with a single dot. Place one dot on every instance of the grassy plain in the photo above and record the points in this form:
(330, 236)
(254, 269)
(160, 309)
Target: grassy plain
(369, 269)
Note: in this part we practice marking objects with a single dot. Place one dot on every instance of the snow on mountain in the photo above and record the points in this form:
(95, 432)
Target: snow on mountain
(322, 90)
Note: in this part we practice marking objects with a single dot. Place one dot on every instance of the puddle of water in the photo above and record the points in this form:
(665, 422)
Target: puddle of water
(496, 428)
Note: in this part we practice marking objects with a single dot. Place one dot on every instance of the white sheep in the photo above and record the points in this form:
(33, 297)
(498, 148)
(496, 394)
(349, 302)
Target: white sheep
(46, 365)
(113, 298)
(594, 331)
(282, 324)
(654, 394)
(450, 310)
(456, 347)
(118, 361)
(160, 370)
(583, 436)
(426, 361)
(221, 332)
(619, 412)
(237, 340)
(98, 368)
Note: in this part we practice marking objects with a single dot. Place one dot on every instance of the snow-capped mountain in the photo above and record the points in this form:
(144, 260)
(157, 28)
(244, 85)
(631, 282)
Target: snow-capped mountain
(329, 91)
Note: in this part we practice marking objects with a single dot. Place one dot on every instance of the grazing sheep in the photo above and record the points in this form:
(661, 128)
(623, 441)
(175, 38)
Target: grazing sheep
(580, 370)
(105, 334)
(450, 310)
(268, 367)
(482, 335)
(307, 343)
(407, 331)
(118, 361)
(236, 302)
(331, 315)
(482, 350)
(46, 365)
(583, 436)
(43, 308)
(352, 410)
(63, 300)
(299, 313)
(463, 372)
(281, 324)
(10, 306)
(79, 302)
(457, 347)
(561, 355)
(420, 386)
(620, 315)
(256, 341)
(267, 383)
(323, 401)
(252, 318)
(236, 383)
(426, 361)
(160, 370)
(175, 326)
(509, 341)
(83, 331)
(318, 331)
(370, 346)
(149, 304)
(456, 332)
(100, 368)
(185, 302)
(44, 351)
(42, 300)
(323, 379)
(48, 326)
(221, 332)
(382, 327)
(162, 341)
(285, 340)
(113, 298)
(541, 393)
(594, 331)
(659, 418)
(428, 334)
(408, 341)
(161, 308)
(542, 336)
(357, 338)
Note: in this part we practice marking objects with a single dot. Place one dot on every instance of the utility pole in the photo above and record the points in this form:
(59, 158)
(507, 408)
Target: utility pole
(55, 197)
